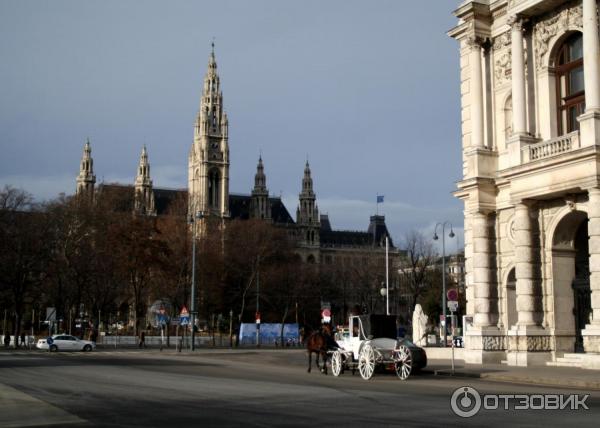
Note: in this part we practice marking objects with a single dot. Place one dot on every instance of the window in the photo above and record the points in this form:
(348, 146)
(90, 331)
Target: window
(213, 189)
(569, 83)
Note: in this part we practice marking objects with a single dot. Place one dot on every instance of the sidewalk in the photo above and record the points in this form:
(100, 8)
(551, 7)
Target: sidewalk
(569, 377)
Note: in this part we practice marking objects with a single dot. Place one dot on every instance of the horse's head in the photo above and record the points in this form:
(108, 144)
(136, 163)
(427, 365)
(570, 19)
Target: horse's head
(326, 329)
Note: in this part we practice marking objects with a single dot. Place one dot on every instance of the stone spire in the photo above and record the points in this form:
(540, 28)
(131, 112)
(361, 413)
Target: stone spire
(208, 173)
(308, 211)
(144, 196)
(86, 180)
(211, 119)
(260, 207)
(307, 214)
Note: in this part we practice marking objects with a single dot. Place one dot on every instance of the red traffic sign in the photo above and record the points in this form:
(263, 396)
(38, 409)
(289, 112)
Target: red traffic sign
(452, 294)
(184, 312)
(326, 313)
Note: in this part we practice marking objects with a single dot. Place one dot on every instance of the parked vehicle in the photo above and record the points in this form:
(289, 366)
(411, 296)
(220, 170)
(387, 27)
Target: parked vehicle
(65, 342)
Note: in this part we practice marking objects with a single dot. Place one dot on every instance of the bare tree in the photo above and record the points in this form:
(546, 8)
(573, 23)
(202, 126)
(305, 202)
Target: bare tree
(416, 271)
(24, 251)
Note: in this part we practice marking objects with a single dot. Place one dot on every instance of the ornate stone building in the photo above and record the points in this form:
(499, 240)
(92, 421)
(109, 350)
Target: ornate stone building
(208, 191)
(530, 96)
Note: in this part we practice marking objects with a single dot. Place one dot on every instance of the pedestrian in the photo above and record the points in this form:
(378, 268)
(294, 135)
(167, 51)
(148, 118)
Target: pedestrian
(23, 339)
(142, 343)
(6, 340)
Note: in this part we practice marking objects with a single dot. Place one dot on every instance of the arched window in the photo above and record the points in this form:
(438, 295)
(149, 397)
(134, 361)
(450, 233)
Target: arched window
(213, 189)
(569, 83)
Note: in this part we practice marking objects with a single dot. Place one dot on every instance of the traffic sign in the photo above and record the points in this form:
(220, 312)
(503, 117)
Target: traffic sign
(452, 305)
(184, 317)
(452, 294)
(326, 315)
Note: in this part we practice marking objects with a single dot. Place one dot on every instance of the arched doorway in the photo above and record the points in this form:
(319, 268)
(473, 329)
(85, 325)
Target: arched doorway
(571, 280)
(511, 298)
(581, 284)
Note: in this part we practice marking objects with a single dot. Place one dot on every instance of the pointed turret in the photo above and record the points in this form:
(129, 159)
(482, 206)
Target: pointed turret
(208, 173)
(144, 196)
(86, 180)
(260, 207)
(307, 214)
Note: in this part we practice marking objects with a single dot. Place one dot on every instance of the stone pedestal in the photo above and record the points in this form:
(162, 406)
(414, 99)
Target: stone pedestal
(529, 345)
(591, 338)
(517, 148)
(589, 128)
(485, 345)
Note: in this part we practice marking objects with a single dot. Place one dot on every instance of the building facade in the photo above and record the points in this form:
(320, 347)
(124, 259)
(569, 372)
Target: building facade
(208, 191)
(530, 98)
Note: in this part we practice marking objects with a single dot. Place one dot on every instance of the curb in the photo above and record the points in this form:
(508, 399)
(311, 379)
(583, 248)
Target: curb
(539, 381)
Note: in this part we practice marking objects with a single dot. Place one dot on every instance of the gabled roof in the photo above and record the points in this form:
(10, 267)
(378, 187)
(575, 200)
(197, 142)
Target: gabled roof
(239, 207)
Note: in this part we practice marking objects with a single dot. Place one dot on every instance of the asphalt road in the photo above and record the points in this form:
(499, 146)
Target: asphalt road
(241, 388)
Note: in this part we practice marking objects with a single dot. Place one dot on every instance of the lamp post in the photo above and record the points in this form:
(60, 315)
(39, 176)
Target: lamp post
(435, 237)
(193, 311)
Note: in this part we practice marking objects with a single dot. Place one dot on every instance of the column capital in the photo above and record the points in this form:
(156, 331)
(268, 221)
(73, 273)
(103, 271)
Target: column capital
(517, 22)
(475, 42)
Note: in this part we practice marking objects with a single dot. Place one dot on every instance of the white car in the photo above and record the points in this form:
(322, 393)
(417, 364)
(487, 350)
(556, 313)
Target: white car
(65, 342)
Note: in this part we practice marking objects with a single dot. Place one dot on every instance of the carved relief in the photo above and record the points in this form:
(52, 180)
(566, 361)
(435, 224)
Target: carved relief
(494, 343)
(538, 343)
(571, 202)
(553, 25)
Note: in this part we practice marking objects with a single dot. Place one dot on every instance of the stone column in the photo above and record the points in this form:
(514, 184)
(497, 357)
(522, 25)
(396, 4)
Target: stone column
(591, 55)
(476, 90)
(527, 294)
(518, 76)
(594, 246)
(485, 311)
(591, 333)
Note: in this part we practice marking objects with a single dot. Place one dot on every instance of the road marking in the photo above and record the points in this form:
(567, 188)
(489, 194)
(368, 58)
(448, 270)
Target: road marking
(18, 409)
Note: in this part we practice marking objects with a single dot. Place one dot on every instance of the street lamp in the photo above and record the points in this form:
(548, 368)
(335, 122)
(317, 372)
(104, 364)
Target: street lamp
(435, 238)
(193, 311)
(384, 293)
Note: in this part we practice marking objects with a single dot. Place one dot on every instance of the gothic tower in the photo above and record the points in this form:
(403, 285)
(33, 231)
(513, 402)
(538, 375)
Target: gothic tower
(307, 213)
(144, 197)
(86, 180)
(208, 174)
(260, 207)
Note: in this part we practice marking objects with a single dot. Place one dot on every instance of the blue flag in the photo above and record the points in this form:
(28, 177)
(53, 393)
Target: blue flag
(380, 199)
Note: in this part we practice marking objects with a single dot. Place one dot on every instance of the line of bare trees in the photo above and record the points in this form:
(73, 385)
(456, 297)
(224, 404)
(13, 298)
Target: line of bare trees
(97, 260)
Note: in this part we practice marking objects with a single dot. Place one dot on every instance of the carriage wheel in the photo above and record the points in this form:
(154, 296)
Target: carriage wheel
(403, 362)
(366, 362)
(336, 363)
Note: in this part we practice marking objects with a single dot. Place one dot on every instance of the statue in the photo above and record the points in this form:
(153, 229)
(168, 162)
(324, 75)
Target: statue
(419, 325)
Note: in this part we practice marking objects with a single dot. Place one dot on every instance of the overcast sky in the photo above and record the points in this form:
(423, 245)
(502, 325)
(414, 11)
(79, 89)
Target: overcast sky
(368, 90)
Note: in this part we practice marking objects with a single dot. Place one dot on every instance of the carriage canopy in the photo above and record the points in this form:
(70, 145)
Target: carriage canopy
(383, 326)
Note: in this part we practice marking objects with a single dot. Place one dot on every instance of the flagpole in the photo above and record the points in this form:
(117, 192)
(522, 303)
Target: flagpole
(387, 275)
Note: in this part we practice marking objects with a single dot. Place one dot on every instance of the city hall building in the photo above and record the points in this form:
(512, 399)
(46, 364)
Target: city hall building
(530, 98)
(208, 192)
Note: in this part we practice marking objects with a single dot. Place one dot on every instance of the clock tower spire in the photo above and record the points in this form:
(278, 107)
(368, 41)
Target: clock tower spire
(208, 172)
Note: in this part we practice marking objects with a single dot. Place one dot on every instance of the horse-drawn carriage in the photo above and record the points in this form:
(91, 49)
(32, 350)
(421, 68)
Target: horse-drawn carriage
(370, 342)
